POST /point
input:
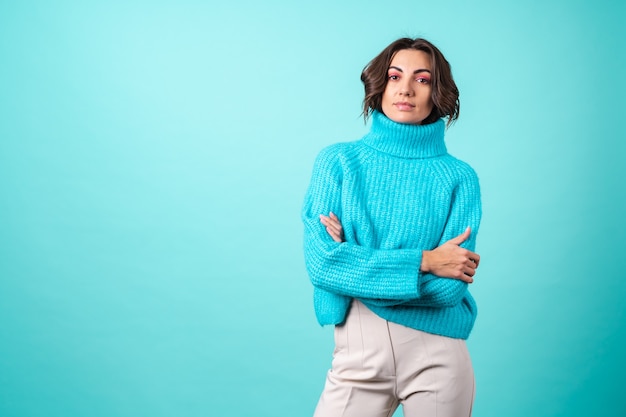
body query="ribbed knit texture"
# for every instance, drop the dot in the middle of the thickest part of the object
(397, 192)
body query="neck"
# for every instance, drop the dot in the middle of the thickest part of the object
(406, 140)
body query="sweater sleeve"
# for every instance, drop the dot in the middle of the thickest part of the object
(465, 211)
(347, 268)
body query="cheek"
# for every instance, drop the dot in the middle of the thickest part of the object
(428, 101)
(386, 97)
(387, 92)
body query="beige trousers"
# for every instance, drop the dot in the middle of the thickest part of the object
(378, 365)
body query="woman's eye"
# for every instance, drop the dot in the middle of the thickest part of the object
(422, 80)
(394, 77)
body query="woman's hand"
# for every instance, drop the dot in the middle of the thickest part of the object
(333, 227)
(451, 260)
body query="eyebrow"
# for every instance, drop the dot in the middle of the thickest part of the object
(414, 72)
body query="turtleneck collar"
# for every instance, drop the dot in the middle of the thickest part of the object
(406, 140)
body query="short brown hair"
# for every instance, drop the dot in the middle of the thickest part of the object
(445, 94)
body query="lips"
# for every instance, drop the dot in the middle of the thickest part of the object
(404, 105)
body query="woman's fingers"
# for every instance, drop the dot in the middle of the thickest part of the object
(475, 258)
(331, 222)
(469, 273)
(337, 238)
(333, 226)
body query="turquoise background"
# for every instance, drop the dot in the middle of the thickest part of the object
(153, 160)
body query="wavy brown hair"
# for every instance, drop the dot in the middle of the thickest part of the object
(445, 94)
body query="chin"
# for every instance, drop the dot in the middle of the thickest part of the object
(405, 118)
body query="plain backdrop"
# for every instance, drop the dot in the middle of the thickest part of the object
(153, 160)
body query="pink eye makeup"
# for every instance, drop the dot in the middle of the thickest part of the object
(422, 75)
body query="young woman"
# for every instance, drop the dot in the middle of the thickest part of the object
(390, 228)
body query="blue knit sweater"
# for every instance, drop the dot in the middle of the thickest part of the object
(397, 192)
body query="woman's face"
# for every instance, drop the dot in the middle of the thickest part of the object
(407, 96)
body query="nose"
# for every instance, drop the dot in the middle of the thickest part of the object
(406, 89)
